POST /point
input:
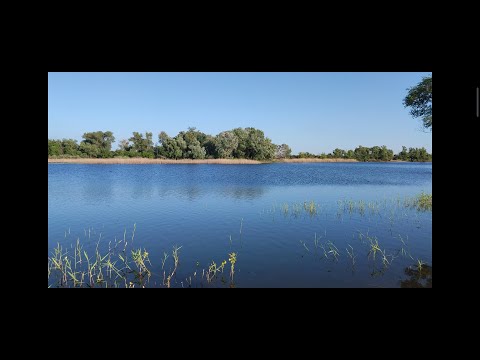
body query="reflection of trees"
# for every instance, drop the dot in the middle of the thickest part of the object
(143, 190)
(248, 193)
(192, 193)
(97, 189)
(419, 277)
(196, 192)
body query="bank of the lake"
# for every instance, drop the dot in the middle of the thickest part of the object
(145, 161)
(189, 161)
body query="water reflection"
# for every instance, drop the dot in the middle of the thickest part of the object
(241, 193)
(142, 191)
(418, 277)
(95, 191)
(193, 193)
(212, 211)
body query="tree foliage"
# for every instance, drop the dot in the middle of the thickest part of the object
(419, 99)
(243, 143)
(375, 153)
(97, 144)
(283, 151)
(225, 144)
(142, 146)
(55, 147)
(248, 143)
(413, 154)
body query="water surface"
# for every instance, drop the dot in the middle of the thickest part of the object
(211, 210)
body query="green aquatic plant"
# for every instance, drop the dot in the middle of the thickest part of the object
(232, 259)
(165, 256)
(213, 269)
(333, 250)
(310, 207)
(421, 202)
(140, 259)
(424, 202)
(304, 245)
(419, 276)
(404, 249)
(374, 247)
(351, 254)
(420, 264)
(296, 210)
(168, 279)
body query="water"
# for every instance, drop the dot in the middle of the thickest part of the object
(213, 210)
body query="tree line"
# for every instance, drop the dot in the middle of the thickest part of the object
(239, 143)
(375, 153)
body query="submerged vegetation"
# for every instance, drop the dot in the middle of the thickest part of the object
(130, 268)
(422, 202)
(118, 264)
(240, 143)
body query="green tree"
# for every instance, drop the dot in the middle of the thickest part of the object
(55, 147)
(419, 154)
(194, 140)
(258, 147)
(97, 144)
(339, 153)
(168, 146)
(242, 136)
(124, 148)
(142, 146)
(307, 155)
(181, 146)
(362, 153)
(403, 155)
(124, 145)
(172, 148)
(225, 144)
(209, 146)
(419, 99)
(374, 153)
(100, 139)
(90, 150)
(385, 154)
(70, 147)
(283, 151)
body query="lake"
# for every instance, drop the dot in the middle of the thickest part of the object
(289, 225)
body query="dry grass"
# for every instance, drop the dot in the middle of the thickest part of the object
(305, 160)
(152, 161)
(189, 161)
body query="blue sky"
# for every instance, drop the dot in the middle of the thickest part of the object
(314, 112)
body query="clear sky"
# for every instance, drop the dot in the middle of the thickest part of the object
(314, 112)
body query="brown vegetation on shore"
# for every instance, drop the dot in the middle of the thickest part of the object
(187, 161)
(152, 161)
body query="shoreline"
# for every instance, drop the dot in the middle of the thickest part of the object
(152, 161)
(190, 161)
(143, 161)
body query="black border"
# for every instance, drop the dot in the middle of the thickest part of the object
(345, 57)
